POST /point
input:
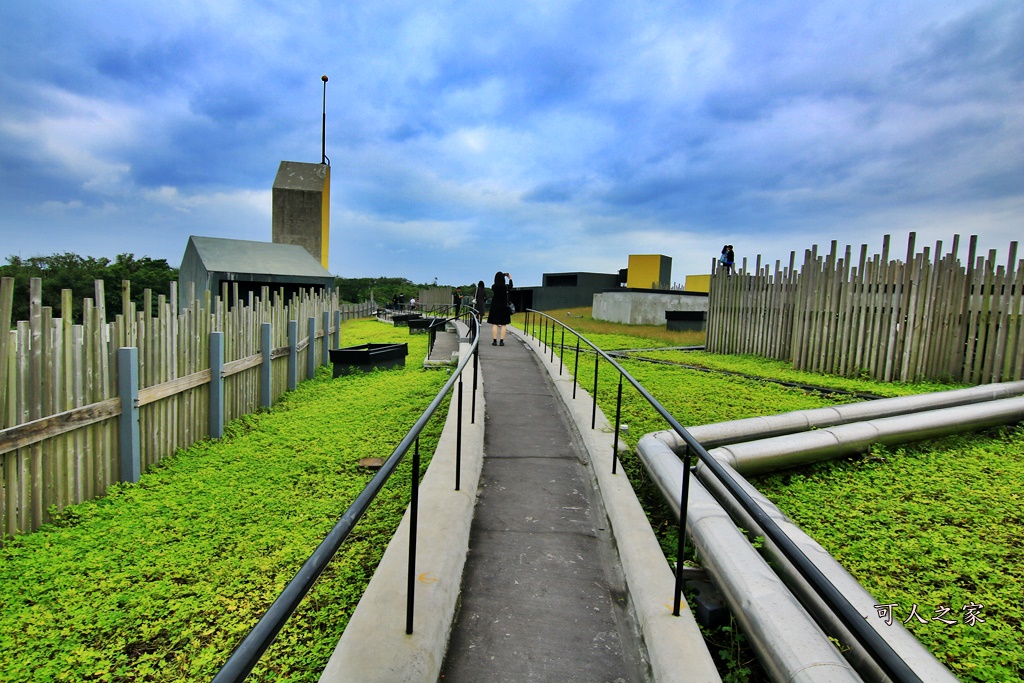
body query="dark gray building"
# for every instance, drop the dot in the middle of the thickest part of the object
(566, 290)
(210, 261)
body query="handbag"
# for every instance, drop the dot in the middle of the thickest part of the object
(511, 308)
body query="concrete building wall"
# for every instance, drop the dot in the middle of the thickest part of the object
(301, 204)
(636, 307)
(193, 278)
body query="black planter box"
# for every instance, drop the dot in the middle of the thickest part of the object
(423, 325)
(402, 319)
(368, 357)
(686, 321)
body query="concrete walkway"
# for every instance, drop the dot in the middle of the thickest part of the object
(542, 567)
(541, 598)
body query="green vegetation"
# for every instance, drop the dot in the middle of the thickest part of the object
(781, 370)
(934, 524)
(611, 336)
(161, 580)
(77, 273)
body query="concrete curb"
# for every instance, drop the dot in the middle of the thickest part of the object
(374, 646)
(675, 647)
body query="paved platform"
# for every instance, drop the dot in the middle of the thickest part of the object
(541, 600)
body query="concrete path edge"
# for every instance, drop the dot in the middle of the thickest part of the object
(374, 646)
(675, 647)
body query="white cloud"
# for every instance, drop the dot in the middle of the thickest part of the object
(549, 136)
(79, 136)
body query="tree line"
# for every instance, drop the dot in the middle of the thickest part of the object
(78, 273)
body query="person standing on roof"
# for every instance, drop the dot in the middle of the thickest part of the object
(499, 315)
(481, 300)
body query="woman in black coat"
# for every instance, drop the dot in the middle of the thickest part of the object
(499, 316)
(481, 300)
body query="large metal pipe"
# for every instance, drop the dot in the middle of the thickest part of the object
(790, 645)
(902, 641)
(735, 431)
(791, 449)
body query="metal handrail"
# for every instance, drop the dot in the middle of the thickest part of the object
(890, 662)
(263, 634)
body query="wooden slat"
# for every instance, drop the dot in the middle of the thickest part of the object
(1004, 317)
(23, 476)
(35, 431)
(6, 340)
(34, 396)
(1015, 339)
(173, 387)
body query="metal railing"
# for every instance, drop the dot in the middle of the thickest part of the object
(880, 650)
(252, 648)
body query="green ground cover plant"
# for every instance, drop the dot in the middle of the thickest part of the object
(781, 370)
(616, 335)
(159, 581)
(929, 527)
(936, 524)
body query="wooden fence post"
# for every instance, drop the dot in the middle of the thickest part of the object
(293, 354)
(128, 421)
(311, 348)
(266, 350)
(326, 357)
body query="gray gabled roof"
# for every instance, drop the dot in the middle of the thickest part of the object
(248, 256)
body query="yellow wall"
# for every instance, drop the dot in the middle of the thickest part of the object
(648, 271)
(697, 283)
(325, 220)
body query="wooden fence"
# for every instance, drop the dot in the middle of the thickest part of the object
(83, 406)
(913, 320)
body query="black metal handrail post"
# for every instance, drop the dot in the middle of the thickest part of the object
(561, 351)
(476, 369)
(414, 506)
(684, 498)
(458, 439)
(576, 367)
(593, 412)
(618, 423)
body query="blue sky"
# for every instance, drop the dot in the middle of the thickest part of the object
(530, 137)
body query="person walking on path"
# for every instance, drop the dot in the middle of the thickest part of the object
(481, 300)
(457, 301)
(499, 315)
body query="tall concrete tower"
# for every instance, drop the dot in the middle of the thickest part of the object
(302, 207)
